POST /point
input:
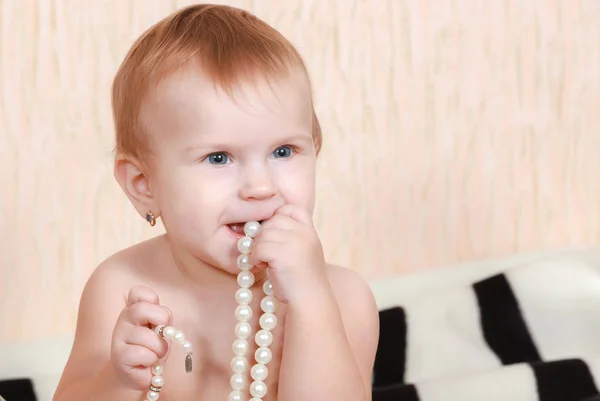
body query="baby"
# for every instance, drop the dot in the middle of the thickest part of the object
(217, 137)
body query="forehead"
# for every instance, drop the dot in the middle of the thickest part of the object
(187, 104)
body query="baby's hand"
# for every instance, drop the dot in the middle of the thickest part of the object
(288, 243)
(136, 347)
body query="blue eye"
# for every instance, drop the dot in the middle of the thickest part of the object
(218, 158)
(282, 152)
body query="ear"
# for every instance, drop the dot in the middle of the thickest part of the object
(136, 185)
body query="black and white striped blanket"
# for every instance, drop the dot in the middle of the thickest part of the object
(530, 333)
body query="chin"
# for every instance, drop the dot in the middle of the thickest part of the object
(229, 263)
(230, 252)
(232, 271)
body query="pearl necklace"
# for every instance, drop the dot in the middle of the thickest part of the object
(157, 381)
(243, 329)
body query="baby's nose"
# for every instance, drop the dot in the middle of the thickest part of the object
(257, 185)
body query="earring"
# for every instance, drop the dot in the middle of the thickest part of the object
(150, 218)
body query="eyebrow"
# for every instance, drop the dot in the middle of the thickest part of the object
(298, 136)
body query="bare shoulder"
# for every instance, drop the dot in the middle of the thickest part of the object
(351, 290)
(110, 282)
(103, 298)
(359, 312)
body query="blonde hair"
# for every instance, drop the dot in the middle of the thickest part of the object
(230, 44)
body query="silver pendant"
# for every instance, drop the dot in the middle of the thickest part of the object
(188, 363)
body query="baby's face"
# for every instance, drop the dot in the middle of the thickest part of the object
(220, 162)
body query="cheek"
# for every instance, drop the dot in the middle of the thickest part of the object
(296, 184)
(193, 196)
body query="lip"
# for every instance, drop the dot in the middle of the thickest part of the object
(260, 218)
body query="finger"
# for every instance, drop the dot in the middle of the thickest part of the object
(269, 245)
(144, 314)
(281, 222)
(275, 235)
(141, 376)
(170, 313)
(137, 356)
(265, 253)
(139, 293)
(295, 213)
(148, 338)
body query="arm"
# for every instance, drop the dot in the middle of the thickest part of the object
(330, 342)
(88, 374)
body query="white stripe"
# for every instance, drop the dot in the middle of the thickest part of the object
(560, 302)
(400, 289)
(445, 338)
(514, 383)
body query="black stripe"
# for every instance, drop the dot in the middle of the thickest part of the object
(400, 392)
(564, 380)
(502, 323)
(20, 389)
(390, 358)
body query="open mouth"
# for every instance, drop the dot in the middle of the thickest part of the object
(238, 228)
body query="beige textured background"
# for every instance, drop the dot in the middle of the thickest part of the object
(453, 130)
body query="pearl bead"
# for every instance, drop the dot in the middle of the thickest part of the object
(263, 338)
(157, 370)
(243, 262)
(243, 330)
(252, 228)
(236, 396)
(187, 347)
(255, 399)
(263, 355)
(237, 381)
(152, 396)
(243, 313)
(178, 337)
(259, 372)
(268, 321)
(258, 389)
(239, 364)
(168, 332)
(158, 381)
(268, 287)
(245, 279)
(243, 296)
(241, 347)
(268, 304)
(244, 245)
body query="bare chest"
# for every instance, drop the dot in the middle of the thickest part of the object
(211, 330)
